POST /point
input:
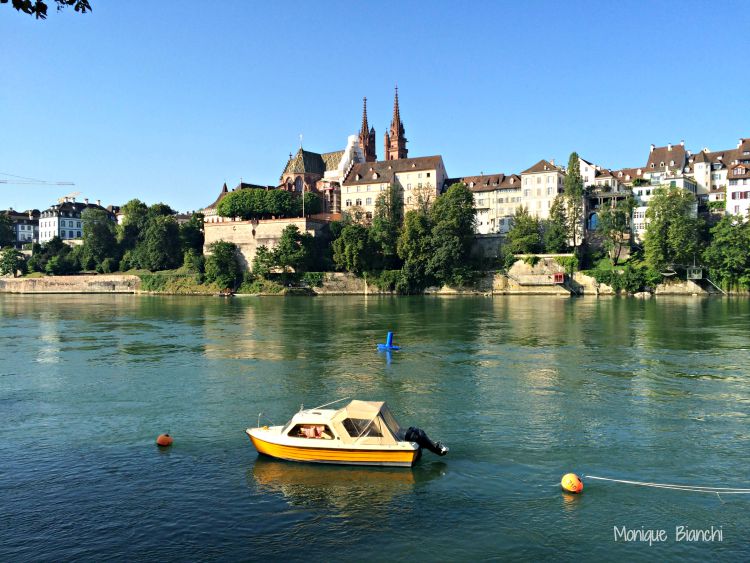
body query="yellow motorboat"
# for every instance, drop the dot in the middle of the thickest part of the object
(361, 433)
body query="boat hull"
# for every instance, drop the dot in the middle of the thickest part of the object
(340, 456)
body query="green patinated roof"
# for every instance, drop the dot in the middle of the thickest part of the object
(307, 162)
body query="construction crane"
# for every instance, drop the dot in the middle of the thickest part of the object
(23, 181)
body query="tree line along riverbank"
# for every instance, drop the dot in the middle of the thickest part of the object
(427, 247)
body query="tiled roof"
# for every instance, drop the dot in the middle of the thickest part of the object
(308, 162)
(383, 171)
(331, 159)
(669, 158)
(628, 174)
(542, 166)
(222, 194)
(488, 182)
(739, 171)
(16, 215)
(700, 157)
(241, 186)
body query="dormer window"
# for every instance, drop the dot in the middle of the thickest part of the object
(653, 165)
(375, 176)
(357, 177)
(661, 163)
(671, 162)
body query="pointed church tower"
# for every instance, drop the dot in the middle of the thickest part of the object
(367, 137)
(395, 142)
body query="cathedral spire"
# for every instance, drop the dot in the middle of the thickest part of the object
(365, 127)
(367, 136)
(395, 142)
(396, 114)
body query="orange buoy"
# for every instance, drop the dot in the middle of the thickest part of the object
(164, 440)
(571, 483)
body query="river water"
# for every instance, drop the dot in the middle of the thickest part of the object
(522, 389)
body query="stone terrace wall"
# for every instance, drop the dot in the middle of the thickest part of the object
(249, 235)
(71, 284)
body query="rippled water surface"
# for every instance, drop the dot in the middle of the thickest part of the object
(523, 389)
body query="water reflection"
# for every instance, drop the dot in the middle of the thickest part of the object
(345, 488)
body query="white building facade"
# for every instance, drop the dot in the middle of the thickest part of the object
(418, 180)
(540, 185)
(64, 220)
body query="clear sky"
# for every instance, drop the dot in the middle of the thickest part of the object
(165, 101)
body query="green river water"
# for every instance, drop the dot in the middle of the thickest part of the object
(522, 389)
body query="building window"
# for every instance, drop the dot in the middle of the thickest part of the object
(539, 180)
(419, 185)
(78, 225)
(419, 175)
(358, 202)
(408, 186)
(368, 201)
(408, 200)
(348, 202)
(428, 174)
(78, 234)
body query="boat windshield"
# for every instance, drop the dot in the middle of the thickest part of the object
(363, 427)
(390, 422)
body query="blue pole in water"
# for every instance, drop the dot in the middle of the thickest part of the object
(389, 339)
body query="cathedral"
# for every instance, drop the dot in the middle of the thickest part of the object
(395, 139)
(324, 173)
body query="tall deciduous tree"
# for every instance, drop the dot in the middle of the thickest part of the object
(525, 235)
(191, 234)
(352, 250)
(727, 255)
(556, 228)
(614, 224)
(11, 261)
(99, 240)
(223, 265)
(574, 199)
(135, 215)
(415, 249)
(386, 225)
(38, 8)
(159, 248)
(7, 232)
(672, 230)
(453, 220)
(294, 250)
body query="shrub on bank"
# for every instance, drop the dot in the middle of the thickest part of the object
(176, 282)
(260, 285)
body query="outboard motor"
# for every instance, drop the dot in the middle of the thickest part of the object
(418, 436)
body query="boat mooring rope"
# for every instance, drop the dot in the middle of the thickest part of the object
(677, 487)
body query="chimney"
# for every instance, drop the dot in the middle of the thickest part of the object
(552, 161)
(740, 143)
(99, 202)
(652, 147)
(73, 199)
(669, 147)
(86, 200)
(705, 149)
(682, 143)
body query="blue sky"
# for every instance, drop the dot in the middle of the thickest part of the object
(165, 101)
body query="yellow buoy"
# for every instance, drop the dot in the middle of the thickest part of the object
(571, 483)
